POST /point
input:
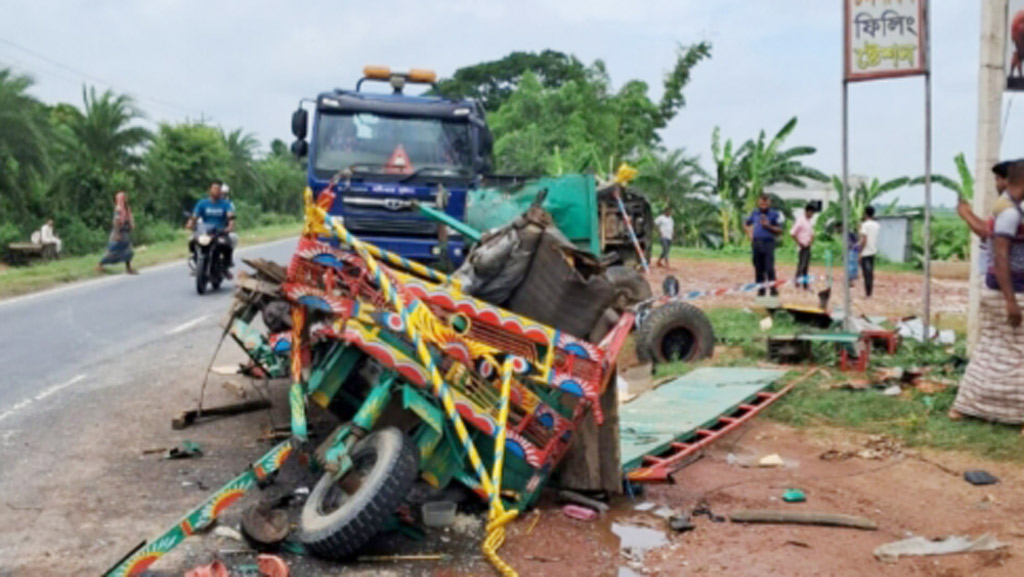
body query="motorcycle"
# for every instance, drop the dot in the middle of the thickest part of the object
(210, 248)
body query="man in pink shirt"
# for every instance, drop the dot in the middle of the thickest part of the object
(802, 232)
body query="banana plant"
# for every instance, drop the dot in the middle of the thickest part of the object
(964, 188)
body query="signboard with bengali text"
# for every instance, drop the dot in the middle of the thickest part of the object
(884, 38)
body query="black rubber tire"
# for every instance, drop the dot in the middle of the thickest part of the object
(340, 532)
(200, 274)
(675, 331)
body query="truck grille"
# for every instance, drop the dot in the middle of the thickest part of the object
(378, 226)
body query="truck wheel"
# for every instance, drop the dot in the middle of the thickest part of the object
(341, 516)
(676, 331)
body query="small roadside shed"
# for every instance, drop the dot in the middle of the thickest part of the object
(894, 236)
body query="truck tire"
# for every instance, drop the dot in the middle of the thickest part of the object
(335, 524)
(676, 331)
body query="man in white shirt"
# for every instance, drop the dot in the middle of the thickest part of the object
(868, 246)
(666, 229)
(45, 235)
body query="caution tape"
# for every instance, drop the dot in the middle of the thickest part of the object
(736, 289)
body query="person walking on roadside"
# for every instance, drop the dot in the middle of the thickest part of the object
(802, 232)
(868, 248)
(119, 247)
(762, 226)
(666, 229)
(992, 387)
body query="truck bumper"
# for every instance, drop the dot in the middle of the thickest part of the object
(422, 250)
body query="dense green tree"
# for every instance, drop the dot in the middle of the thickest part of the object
(24, 157)
(492, 83)
(105, 131)
(764, 163)
(584, 125)
(672, 180)
(725, 181)
(182, 161)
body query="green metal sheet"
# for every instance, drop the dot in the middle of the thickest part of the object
(674, 411)
(571, 200)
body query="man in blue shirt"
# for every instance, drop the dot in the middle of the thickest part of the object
(762, 226)
(218, 214)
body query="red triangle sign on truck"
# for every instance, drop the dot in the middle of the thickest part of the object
(399, 162)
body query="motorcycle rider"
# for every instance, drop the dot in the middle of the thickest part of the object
(218, 213)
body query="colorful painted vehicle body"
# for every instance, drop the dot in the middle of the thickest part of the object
(496, 396)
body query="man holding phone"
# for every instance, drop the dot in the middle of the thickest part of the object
(763, 226)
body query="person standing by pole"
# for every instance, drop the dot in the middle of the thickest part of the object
(762, 226)
(868, 246)
(802, 232)
(666, 230)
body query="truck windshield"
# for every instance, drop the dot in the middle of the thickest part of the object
(371, 141)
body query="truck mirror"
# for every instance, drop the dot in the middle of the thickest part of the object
(486, 141)
(300, 120)
(300, 148)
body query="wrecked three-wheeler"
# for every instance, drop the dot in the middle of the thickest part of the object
(428, 382)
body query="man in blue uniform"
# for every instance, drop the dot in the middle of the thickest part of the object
(762, 226)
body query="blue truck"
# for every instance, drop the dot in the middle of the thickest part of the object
(398, 149)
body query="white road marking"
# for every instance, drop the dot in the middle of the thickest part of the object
(186, 326)
(55, 388)
(42, 395)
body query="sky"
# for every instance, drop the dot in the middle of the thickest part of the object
(248, 63)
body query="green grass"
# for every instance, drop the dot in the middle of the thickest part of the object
(915, 418)
(21, 280)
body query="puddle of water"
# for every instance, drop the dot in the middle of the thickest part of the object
(638, 538)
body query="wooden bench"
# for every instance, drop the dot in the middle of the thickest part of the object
(24, 252)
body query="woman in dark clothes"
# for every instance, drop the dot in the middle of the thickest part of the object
(119, 247)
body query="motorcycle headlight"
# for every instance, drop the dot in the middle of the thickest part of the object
(204, 239)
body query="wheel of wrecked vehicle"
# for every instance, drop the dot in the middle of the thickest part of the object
(675, 331)
(340, 516)
(200, 273)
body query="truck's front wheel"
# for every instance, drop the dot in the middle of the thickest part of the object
(342, 515)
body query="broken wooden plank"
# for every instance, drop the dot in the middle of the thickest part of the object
(802, 518)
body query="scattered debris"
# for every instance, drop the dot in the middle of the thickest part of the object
(892, 391)
(272, 565)
(664, 512)
(186, 450)
(876, 448)
(803, 518)
(645, 506)
(236, 389)
(803, 544)
(980, 478)
(773, 460)
(580, 513)
(920, 546)
(226, 370)
(215, 569)
(439, 513)
(703, 508)
(794, 496)
(766, 324)
(567, 496)
(154, 451)
(187, 418)
(681, 523)
(227, 532)
(265, 527)
(543, 559)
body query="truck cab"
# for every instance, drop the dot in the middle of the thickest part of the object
(394, 150)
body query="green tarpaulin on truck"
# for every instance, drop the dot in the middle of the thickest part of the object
(571, 200)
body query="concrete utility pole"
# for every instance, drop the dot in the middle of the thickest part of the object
(991, 83)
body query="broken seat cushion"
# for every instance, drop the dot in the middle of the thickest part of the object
(564, 288)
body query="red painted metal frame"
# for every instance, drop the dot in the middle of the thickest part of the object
(659, 469)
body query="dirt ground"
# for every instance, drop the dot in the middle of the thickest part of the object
(105, 495)
(895, 293)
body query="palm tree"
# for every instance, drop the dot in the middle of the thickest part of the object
(23, 137)
(725, 183)
(106, 131)
(673, 179)
(242, 148)
(764, 163)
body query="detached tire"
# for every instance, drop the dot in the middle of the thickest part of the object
(334, 523)
(676, 331)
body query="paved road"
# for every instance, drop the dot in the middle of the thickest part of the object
(51, 339)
